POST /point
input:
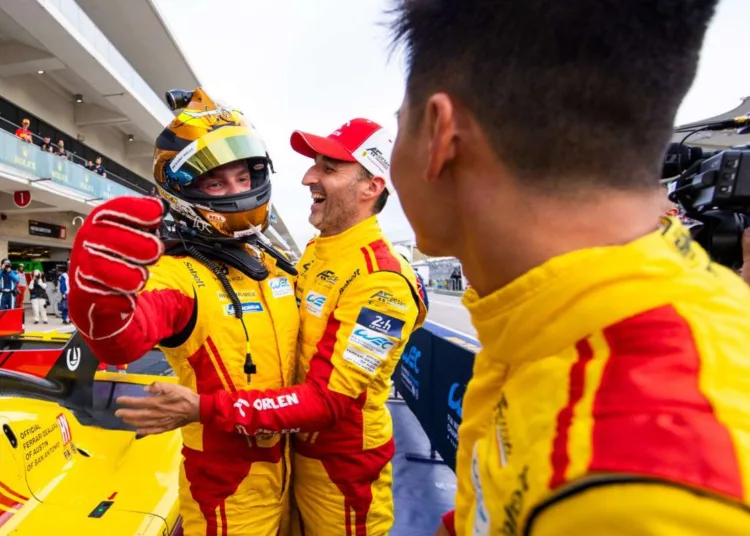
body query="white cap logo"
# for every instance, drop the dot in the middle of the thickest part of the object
(375, 154)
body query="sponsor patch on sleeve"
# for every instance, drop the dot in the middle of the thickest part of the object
(361, 360)
(372, 341)
(314, 303)
(382, 323)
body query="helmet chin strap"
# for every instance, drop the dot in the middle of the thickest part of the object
(230, 252)
(265, 244)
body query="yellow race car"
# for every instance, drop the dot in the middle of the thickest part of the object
(67, 465)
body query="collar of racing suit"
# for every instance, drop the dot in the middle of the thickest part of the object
(570, 296)
(355, 237)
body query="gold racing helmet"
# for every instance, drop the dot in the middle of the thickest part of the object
(204, 136)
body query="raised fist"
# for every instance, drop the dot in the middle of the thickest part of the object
(107, 264)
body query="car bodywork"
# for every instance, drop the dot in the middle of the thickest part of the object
(67, 464)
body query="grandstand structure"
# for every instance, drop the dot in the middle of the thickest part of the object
(90, 74)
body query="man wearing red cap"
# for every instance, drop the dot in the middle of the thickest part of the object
(359, 304)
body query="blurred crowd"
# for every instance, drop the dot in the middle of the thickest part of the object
(46, 144)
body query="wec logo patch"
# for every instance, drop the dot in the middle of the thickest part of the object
(280, 287)
(372, 341)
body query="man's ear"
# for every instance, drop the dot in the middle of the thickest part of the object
(441, 124)
(374, 187)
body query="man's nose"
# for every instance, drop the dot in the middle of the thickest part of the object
(310, 178)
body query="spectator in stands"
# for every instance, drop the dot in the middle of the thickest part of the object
(8, 282)
(90, 165)
(61, 152)
(612, 392)
(98, 167)
(38, 293)
(47, 145)
(23, 132)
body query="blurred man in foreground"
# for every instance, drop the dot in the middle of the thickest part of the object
(612, 394)
(359, 303)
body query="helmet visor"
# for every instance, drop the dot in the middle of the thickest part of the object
(222, 146)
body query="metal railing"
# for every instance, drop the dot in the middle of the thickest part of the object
(75, 158)
(26, 163)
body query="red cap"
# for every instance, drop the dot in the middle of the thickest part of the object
(359, 140)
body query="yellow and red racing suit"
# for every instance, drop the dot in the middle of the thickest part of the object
(359, 304)
(229, 484)
(611, 396)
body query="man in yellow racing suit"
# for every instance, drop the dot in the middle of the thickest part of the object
(648, 419)
(126, 297)
(612, 393)
(359, 303)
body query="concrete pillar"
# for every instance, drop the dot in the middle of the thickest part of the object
(3, 249)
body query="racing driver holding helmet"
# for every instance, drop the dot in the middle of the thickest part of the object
(217, 303)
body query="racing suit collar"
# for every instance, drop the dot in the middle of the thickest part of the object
(565, 299)
(357, 236)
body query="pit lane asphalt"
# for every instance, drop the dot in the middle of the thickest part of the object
(449, 312)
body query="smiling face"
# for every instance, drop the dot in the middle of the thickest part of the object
(230, 179)
(341, 195)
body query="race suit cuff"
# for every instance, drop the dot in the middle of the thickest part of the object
(449, 522)
(207, 406)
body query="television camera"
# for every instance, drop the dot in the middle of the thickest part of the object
(712, 188)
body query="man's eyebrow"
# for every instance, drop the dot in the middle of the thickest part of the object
(328, 160)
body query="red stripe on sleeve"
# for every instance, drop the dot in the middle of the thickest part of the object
(576, 383)
(383, 256)
(650, 417)
(368, 260)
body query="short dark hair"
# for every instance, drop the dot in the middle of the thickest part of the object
(570, 89)
(382, 198)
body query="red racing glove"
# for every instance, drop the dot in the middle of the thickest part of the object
(107, 264)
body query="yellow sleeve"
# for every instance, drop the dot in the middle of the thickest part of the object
(375, 318)
(173, 274)
(640, 509)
